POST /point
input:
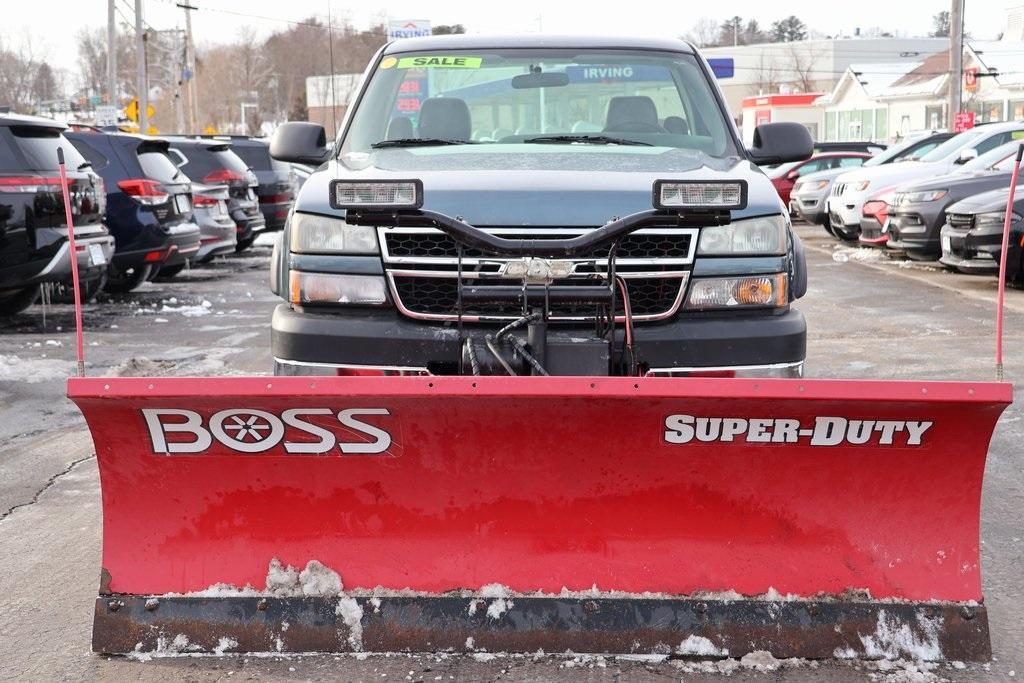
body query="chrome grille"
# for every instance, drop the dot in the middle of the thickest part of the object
(838, 189)
(423, 263)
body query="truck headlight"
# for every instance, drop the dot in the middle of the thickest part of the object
(314, 234)
(994, 219)
(738, 292)
(764, 235)
(330, 288)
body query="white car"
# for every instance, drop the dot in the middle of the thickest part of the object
(851, 190)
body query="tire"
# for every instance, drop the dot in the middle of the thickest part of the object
(169, 272)
(844, 233)
(827, 224)
(244, 244)
(62, 293)
(123, 281)
(15, 301)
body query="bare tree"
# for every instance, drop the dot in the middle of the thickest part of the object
(704, 32)
(767, 75)
(799, 66)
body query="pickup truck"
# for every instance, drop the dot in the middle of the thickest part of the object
(539, 205)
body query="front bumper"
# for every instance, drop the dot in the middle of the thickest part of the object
(872, 233)
(915, 233)
(971, 251)
(810, 207)
(773, 343)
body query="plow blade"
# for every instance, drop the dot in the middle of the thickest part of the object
(706, 517)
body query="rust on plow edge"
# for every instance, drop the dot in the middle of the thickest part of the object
(807, 629)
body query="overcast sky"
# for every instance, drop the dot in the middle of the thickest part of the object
(51, 26)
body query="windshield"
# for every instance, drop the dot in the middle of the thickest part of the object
(953, 145)
(898, 151)
(990, 159)
(518, 95)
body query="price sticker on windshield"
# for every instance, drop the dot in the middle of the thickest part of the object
(440, 62)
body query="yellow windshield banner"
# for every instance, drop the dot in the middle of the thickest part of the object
(440, 62)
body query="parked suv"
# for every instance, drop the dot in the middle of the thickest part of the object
(851, 190)
(972, 237)
(212, 162)
(812, 190)
(523, 147)
(34, 245)
(919, 209)
(276, 189)
(149, 209)
(785, 176)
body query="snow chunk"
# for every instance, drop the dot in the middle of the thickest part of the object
(498, 607)
(316, 580)
(494, 590)
(761, 660)
(893, 638)
(701, 647)
(224, 644)
(352, 614)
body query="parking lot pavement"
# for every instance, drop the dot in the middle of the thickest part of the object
(867, 318)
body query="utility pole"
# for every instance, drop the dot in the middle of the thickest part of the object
(111, 55)
(190, 64)
(142, 82)
(956, 59)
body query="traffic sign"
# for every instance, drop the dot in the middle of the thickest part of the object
(132, 111)
(106, 115)
(964, 120)
(971, 79)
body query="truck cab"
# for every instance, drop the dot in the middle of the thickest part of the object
(472, 187)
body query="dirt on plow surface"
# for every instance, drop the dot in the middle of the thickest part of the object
(867, 318)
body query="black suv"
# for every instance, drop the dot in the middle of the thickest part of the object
(149, 206)
(34, 244)
(276, 190)
(212, 162)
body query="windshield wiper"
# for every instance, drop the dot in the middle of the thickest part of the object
(586, 139)
(420, 142)
(84, 165)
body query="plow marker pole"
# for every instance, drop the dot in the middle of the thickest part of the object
(1000, 297)
(806, 517)
(75, 285)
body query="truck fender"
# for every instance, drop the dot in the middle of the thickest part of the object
(798, 277)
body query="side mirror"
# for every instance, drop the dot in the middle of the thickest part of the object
(299, 142)
(793, 175)
(967, 155)
(777, 143)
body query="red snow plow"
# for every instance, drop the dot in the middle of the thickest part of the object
(693, 516)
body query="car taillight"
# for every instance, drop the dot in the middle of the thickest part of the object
(30, 183)
(144, 191)
(222, 175)
(203, 200)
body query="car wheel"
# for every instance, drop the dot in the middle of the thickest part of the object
(827, 224)
(169, 272)
(844, 233)
(15, 301)
(244, 244)
(62, 292)
(123, 281)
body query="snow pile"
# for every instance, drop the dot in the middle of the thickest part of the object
(224, 644)
(15, 369)
(860, 254)
(894, 639)
(699, 646)
(760, 660)
(316, 580)
(501, 602)
(189, 311)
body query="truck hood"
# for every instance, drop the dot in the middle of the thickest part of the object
(543, 185)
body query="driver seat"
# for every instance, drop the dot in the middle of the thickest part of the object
(634, 113)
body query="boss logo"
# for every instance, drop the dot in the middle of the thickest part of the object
(174, 431)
